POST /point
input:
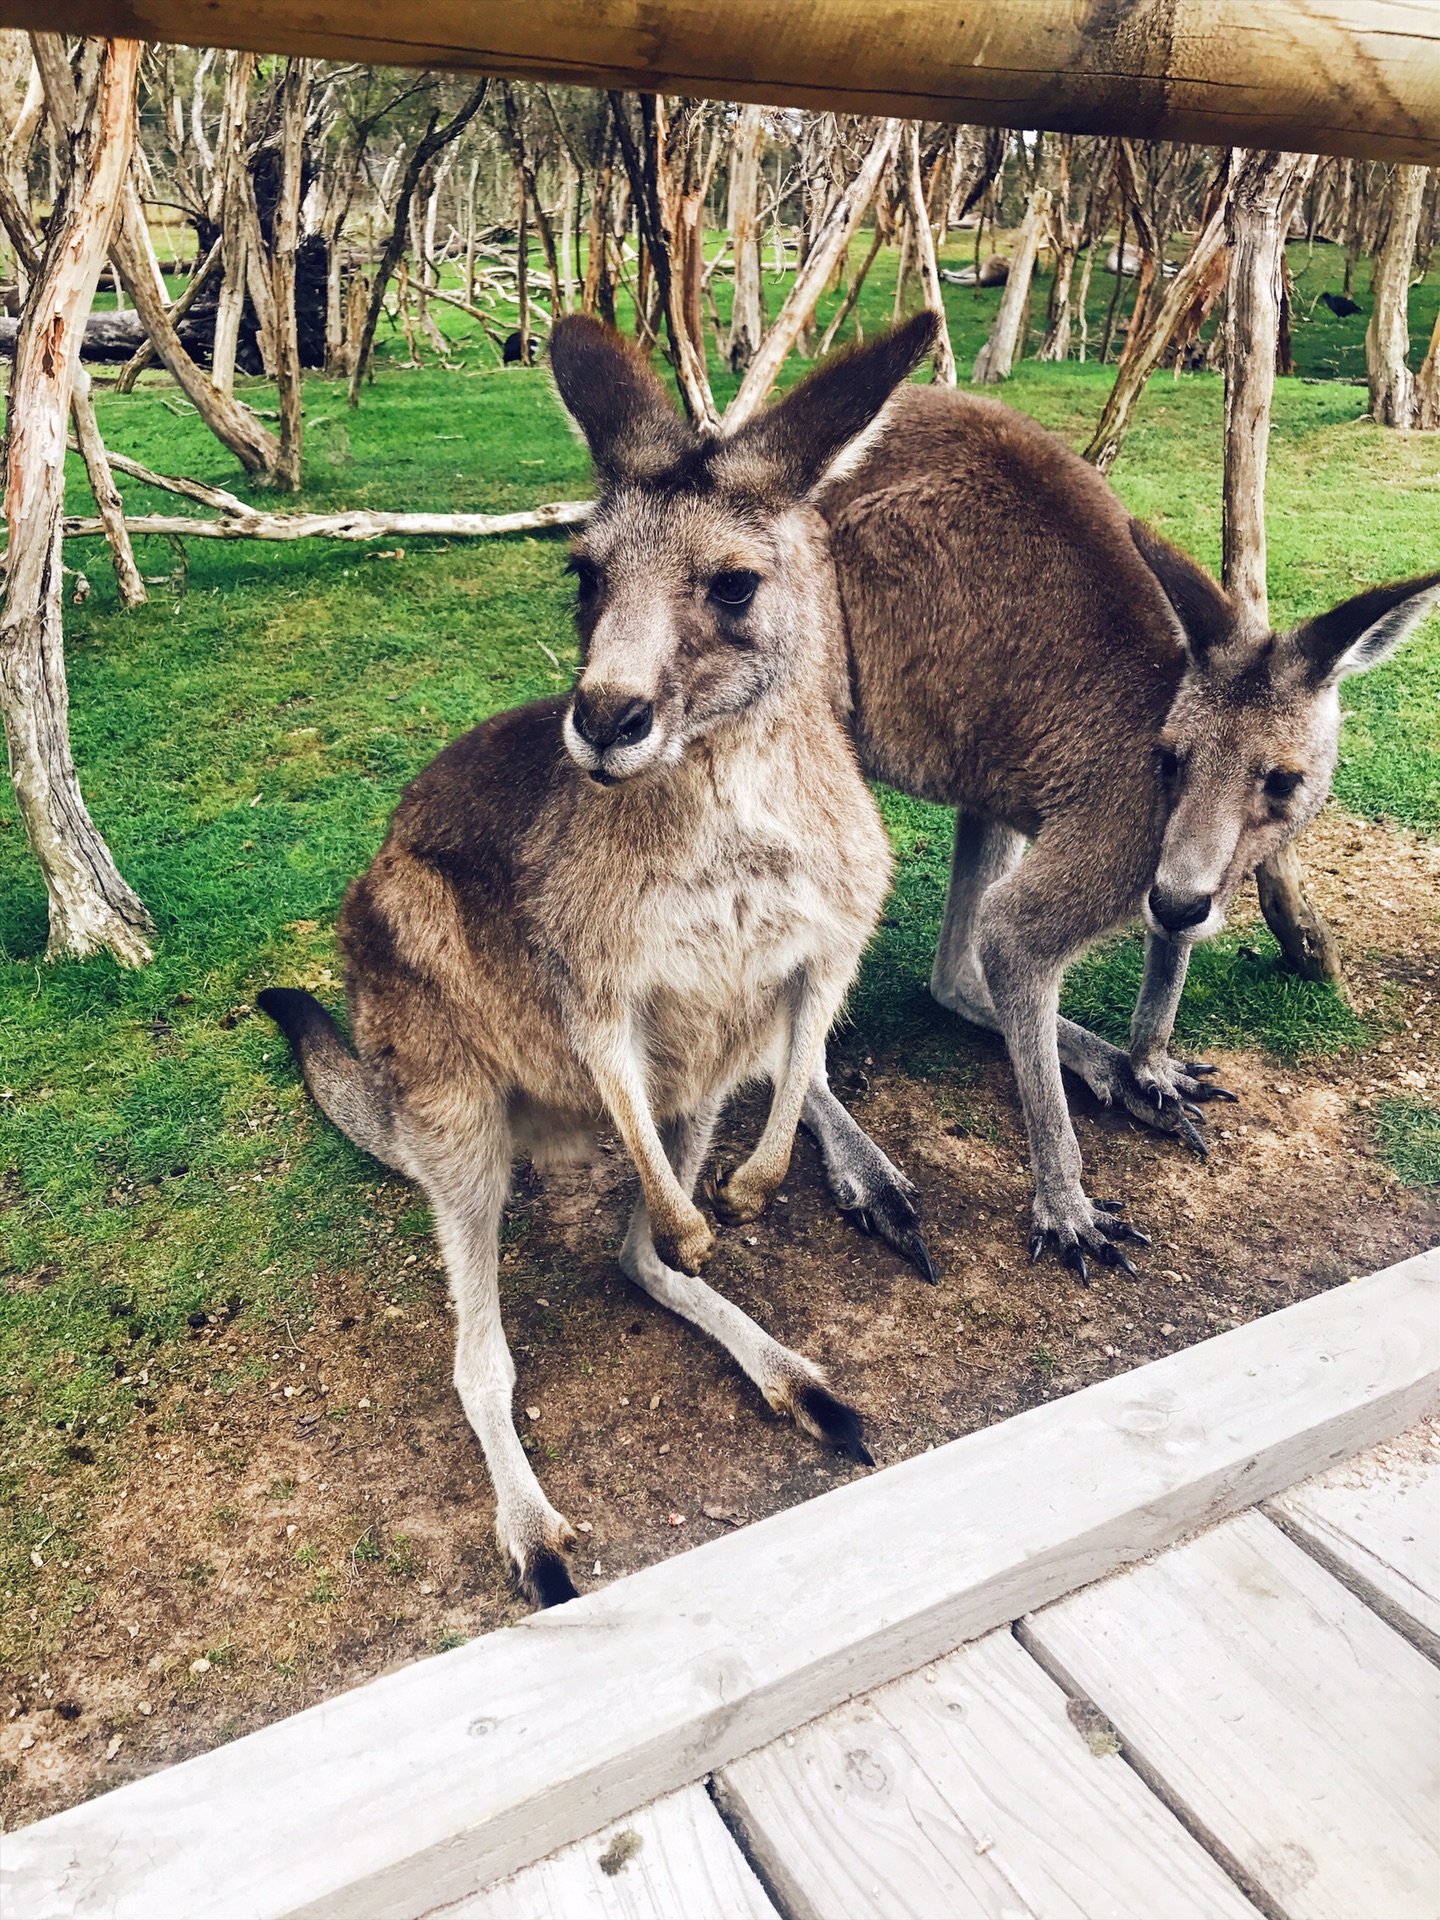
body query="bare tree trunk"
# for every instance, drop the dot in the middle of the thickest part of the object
(514, 135)
(924, 246)
(470, 187)
(747, 315)
(91, 907)
(108, 503)
(1144, 351)
(233, 425)
(294, 105)
(568, 207)
(1065, 239)
(522, 267)
(835, 234)
(145, 355)
(1387, 338)
(653, 216)
(996, 358)
(1427, 386)
(434, 140)
(1267, 187)
(847, 307)
(231, 165)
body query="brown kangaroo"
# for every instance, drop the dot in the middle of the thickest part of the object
(1022, 650)
(616, 909)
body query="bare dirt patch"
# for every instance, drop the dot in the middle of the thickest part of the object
(255, 1547)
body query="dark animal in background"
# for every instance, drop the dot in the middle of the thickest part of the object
(1023, 651)
(614, 910)
(1340, 304)
(514, 352)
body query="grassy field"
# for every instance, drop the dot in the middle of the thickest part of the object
(243, 739)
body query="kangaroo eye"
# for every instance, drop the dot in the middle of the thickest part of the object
(1281, 783)
(734, 591)
(587, 575)
(1169, 765)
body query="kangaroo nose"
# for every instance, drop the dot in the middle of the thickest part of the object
(1175, 912)
(602, 720)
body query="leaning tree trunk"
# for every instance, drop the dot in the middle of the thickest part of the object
(231, 162)
(923, 243)
(834, 235)
(1387, 338)
(1145, 350)
(747, 316)
(108, 503)
(1267, 188)
(91, 907)
(997, 357)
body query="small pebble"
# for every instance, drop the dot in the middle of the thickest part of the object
(583, 1526)
(654, 1401)
(532, 1413)
(202, 1665)
(677, 1519)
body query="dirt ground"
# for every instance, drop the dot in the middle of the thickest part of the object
(335, 1520)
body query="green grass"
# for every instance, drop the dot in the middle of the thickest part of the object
(242, 742)
(1407, 1133)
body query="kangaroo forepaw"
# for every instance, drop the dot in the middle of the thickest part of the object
(890, 1214)
(685, 1243)
(1080, 1230)
(739, 1197)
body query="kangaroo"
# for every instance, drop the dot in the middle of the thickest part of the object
(1024, 651)
(614, 909)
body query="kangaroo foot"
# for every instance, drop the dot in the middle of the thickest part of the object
(890, 1213)
(1159, 1092)
(538, 1558)
(1076, 1227)
(799, 1391)
(871, 1189)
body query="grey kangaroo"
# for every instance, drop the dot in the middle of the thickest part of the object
(1025, 652)
(613, 910)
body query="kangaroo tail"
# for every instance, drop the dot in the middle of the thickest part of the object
(341, 1085)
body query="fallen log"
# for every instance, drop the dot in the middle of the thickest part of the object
(254, 523)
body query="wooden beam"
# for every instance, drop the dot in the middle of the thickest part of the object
(418, 1789)
(1357, 77)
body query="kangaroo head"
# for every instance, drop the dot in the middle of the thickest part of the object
(704, 578)
(1248, 749)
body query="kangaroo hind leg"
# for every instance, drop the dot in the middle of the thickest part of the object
(790, 1383)
(467, 1180)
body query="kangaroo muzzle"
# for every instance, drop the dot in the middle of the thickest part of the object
(610, 734)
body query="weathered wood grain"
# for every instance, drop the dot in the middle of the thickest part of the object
(459, 1770)
(1374, 1521)
(673, 1857)
(967, 1790)
(1282, 1717)
(1354, 77)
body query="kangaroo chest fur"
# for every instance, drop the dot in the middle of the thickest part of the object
(691, 905)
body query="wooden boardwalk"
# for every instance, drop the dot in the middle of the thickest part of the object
(1248, 1722)
(1168, 1648)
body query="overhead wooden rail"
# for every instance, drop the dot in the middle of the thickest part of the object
(1356, 77)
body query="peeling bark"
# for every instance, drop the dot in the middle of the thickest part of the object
(91, 906)
(1387, 338)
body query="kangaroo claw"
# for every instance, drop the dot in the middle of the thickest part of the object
(1078, 1242)
(891, 1216)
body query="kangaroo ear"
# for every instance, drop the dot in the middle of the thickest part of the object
(1204, 612)
(822, 427)
(614, 398)
(1360, 633)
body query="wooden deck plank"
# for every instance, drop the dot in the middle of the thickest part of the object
(1375, 1522)
(670, 1858)
(966, 1790)
(1282, 1717)
(398, 1796)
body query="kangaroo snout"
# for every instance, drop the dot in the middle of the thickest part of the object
(1177, 911)
(605, 720)
(610, 734)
